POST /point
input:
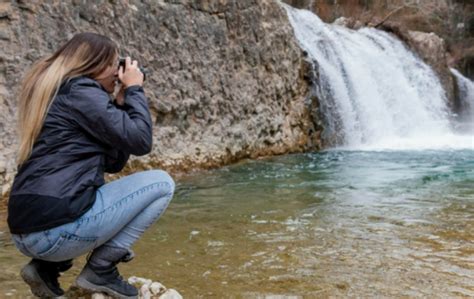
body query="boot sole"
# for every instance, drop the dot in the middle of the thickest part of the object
(93, 288)
(37, 286)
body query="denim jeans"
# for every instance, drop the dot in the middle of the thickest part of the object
(123, 210)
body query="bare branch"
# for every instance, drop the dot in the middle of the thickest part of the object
(389, 15)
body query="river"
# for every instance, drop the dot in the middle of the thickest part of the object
(332, 223)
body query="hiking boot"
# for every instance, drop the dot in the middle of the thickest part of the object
(100, 274)
(42, 277)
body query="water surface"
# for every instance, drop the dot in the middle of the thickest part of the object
(335, 223)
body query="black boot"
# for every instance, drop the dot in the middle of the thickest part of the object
(42, 277)
(100, 274)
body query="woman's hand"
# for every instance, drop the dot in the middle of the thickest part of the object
(120, 98)
(131, 76)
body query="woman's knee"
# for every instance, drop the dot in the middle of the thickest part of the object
(161, 177)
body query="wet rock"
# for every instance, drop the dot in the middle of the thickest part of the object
(171, 294)
(350, 22)
(148, 289)
(99, 296)
(157, 288)
(432, 50)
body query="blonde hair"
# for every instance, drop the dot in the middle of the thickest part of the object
(85, 54)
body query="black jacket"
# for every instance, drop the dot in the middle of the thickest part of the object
(83, 136)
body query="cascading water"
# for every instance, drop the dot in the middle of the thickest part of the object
(466, 101)
(374, 93)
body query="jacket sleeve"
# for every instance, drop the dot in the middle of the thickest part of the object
(128, 129)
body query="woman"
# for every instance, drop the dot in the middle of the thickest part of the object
(70, 134)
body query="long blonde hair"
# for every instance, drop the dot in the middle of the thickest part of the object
(85, 54)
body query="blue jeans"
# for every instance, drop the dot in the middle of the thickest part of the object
(123, 210)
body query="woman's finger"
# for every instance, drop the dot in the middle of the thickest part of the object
(120, 72)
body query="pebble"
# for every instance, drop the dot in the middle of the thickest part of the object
(99, 296)
(145, 292)
(157, 288)
(171, 294)
(139, 281)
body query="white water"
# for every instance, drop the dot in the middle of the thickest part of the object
(466, 98)
(374, 93)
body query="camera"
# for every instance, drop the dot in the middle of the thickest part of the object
(122, 64)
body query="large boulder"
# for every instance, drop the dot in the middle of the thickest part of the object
(432, 50)
(226, 77)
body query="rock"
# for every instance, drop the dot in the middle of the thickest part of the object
(147, 289)
(430, 46)
(139, 281)
(348, 22)
(171, 294)
(145, 292)
(157, 288)
(211, 65)
(3, 166)
(6, 187)
(4, 34)
(5, 10)
(432, 50)
(100, 296)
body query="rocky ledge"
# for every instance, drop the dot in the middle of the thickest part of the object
(226, 82)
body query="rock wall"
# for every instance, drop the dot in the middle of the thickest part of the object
(226, 76)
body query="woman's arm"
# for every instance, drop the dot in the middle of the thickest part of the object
(128, 129)
(115, 161)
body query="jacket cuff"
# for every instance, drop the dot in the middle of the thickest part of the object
(133, 88)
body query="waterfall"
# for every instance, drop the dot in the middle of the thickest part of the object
(373, 92)
(465, 94)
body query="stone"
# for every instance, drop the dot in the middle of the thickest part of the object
(3, 166)
(432, 50)
(4, 34)
(145, 292)
(157, 288)
(139, 281)
(100, 296)
(171, 294)
(5, 10)
(211, 64)
(147, 289)
(345, 22)
(6, 188)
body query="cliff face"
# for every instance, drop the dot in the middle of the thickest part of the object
(226, 76)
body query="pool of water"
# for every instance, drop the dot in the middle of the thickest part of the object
(334, 223)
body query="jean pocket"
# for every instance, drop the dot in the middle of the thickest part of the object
(19, 245)
(68, 246)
